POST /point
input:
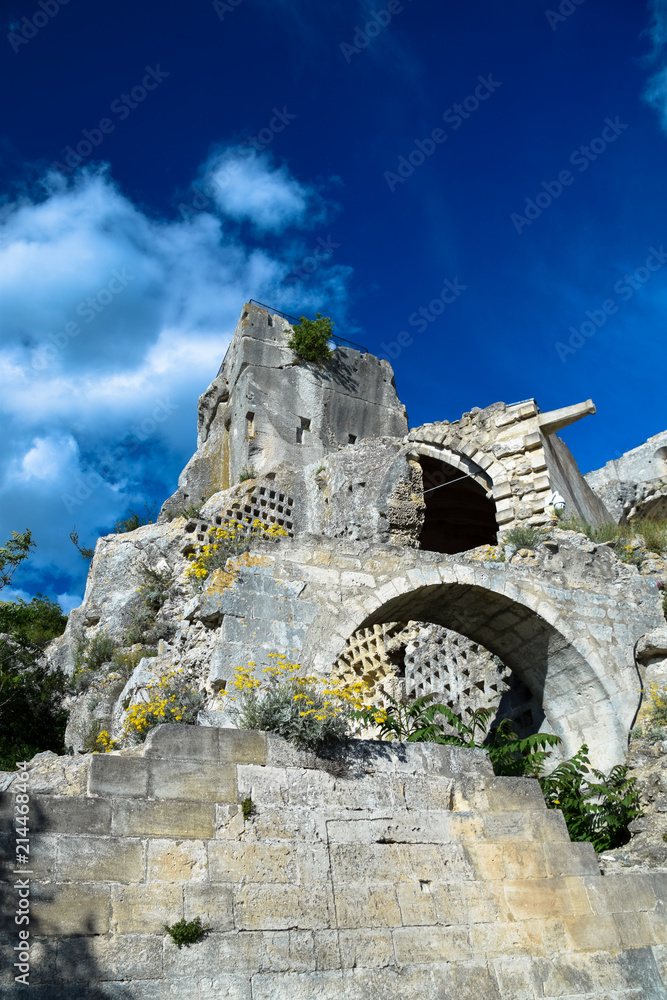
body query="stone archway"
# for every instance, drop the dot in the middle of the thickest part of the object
(585, 698)
(459, 514)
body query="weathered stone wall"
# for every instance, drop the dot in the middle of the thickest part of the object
(564, 619)
(635, 485)
(513, 452)
(389, 872)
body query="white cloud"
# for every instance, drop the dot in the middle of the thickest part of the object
(69, 601)
(655, 92)
(113, 322)
(244, 188)
(47, 458)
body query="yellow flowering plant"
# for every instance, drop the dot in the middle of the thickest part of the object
(104, 743)
(167, 701)
(307, 710)
(229, 539)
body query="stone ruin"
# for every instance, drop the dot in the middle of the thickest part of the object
(394, 568)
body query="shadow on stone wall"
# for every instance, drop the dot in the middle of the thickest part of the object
(60, 968)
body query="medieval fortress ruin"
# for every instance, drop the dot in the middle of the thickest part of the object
(406, 870)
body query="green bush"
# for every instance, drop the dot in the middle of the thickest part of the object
(310, 338)
(186, 933)
(307, 711)
(275, 710)
(654, 533)
(35, 622)
(247, 472)
(154, 591)
(13, 553)
(135, 520)
(524, 538)
(597, 809)
(31, 694)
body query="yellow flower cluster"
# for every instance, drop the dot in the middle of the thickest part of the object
(163, 705)
(333, 696)
(104, 743)
(225, 538)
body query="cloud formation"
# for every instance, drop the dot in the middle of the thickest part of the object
(113, 322)
(656, 88)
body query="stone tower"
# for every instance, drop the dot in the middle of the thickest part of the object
(266, 407)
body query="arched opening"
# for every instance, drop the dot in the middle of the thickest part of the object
(459, 516)
(405, 660)
(660, 461)
(570, 687)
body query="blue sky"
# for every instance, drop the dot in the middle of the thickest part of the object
(484, 185)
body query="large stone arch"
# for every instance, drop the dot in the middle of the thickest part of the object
(587, 688)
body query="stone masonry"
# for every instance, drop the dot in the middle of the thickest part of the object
(386, 872)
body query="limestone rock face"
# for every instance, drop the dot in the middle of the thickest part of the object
(388, 528)
(267, 406)
(635, 485)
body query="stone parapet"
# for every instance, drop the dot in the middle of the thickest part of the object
(385, 870)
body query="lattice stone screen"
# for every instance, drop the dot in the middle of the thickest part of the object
(417, 658)
(272, 507)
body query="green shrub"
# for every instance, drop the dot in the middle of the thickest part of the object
(90, 654)
(186, 933)
(654, 533)
(31, 716)
(524, 538)
(154, 591)
(31, 693)
(310, 338)
(596, 809)
(13, 553)
(84, 551)
(247, 472)
(169, 700)
(134, 520)
(307, 711)
(247, 808)
(125, 661)
(36, 622)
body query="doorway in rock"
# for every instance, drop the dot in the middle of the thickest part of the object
(459, 516)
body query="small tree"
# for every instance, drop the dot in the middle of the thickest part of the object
(310, 338)
(13, 553)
